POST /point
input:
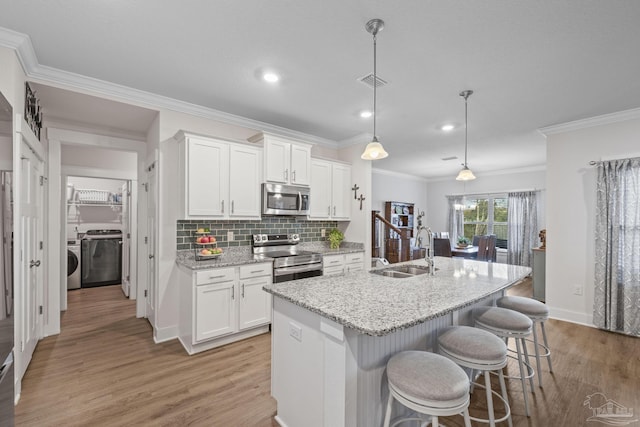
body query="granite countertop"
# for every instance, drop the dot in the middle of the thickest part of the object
(376, 305)
(240, 255)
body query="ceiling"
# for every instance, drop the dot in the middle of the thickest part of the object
(531, 64)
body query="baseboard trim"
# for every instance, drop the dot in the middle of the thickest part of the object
(165, 334)
(571, 316)
(279, 421)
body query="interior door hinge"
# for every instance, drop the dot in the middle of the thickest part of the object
(146, 240)
(146, 187)
(40, 309)
(21, 345)
(41, 244)
(145, 293)
(43, 179)
(128, 235)
(128, 278)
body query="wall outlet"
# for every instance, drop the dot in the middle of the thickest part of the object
(577, 290)
(295, 331)
(323, 233)
(229, 236)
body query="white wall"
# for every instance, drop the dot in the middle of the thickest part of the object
(571, 199)
(437, 191)
(395, 187)
(6, 153)
(99, 158)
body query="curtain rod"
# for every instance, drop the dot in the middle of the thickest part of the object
(608, 159)
(488, 193)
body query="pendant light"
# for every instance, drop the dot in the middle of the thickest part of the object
(465, 174)
(374, 150)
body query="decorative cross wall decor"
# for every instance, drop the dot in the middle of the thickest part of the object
(361, 199)
(355, 189)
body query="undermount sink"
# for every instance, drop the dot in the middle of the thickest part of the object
(402, 271)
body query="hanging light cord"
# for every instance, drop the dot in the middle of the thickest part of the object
(466, 128)
(375, 84)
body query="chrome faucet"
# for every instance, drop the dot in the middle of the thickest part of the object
(428, 257)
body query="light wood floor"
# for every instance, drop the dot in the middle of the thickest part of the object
(104, 369)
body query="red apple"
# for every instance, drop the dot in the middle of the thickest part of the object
(204, 239)
(204, 252)
(212, 239)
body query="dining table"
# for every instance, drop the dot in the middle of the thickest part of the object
(464, 252)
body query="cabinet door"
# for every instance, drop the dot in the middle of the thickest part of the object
(300, 173)
(332, 265)
(207, 177)
(276, 160)
(320, 200)
(255, 304)
(341, 191)
(245, 175)
(215, 311)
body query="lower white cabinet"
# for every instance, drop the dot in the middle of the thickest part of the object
(343, 263)
(222, 305)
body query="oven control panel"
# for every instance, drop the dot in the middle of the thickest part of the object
(275, 239)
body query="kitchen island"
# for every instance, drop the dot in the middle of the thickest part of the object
(332, 336)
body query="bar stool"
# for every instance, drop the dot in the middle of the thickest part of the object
(507, 324)
(429, 384)
(478, 350)
(538, 313)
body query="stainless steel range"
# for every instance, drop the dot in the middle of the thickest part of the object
(289, 262)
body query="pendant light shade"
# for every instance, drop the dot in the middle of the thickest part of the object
(465, 174)
(374, 150)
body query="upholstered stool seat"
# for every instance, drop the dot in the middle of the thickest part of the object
(481, 350)
(507, 324)
(429, 384)
(538, 312)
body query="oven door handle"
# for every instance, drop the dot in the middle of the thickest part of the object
(297, 269)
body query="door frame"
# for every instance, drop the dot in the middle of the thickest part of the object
(57, 212)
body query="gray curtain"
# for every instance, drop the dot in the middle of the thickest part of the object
(616, 304)
(455, 223)
(522, 227)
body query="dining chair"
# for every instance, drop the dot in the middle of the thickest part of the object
(442, 247)
(487, 248)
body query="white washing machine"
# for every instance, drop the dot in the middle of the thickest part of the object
(73, 264)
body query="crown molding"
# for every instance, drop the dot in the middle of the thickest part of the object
(604, 119)
(23, 47)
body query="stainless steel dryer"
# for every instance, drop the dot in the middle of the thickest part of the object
(73, 264)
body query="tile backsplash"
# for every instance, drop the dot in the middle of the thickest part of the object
(309, 231)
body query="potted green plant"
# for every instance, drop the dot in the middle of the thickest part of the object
(335, 238)
(463, 242)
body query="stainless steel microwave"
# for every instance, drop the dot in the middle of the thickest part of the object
(280, 199)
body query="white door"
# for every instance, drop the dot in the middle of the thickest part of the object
(151, 243)
(341, 191)
(300, 164)
(215, 310)
(245, 175)
(320, 200)
(255, 304)
(126, 237)
(276, 160)
(208, 178)
(29, 255)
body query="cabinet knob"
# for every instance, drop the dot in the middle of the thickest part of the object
(232, 206)
(293, 176)
(243, 290)
(334, 211)
(286, 174)
(222, 206)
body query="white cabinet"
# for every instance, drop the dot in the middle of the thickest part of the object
(330, 190)
(286, 161)
(221, 179)
(223, 305)
(215, 311)
(344, 263)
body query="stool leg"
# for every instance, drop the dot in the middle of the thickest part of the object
(546, 344)
(522, 377)
(467, 420)
(505, 396)
(537, 351)
(526, 356)
(487, 385)
(387, 415)
(434, 421)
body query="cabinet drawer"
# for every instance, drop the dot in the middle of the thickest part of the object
(332, 271)
(333, 260)
(256, 270)
(217, 275)
(353, 258)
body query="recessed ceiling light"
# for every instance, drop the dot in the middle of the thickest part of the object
(271, 77)
(447, 128)
(366, 114)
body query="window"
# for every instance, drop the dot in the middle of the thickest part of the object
(486, 215)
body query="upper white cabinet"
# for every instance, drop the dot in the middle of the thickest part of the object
(330, 190)
(285, 161)
(221, 178)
